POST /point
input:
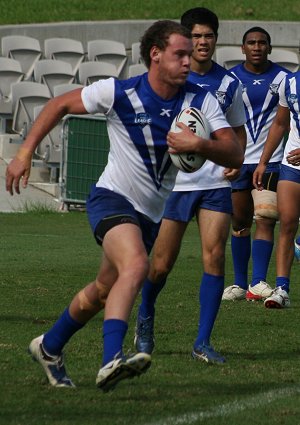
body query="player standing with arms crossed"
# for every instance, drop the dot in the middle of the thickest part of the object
(261, 79)
(126, 205)
(205, 194)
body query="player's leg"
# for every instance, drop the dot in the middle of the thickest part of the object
(123, 246)
(164, 255)
(242, 219)
(180, 208)
(289, 211)
(47, 349)
(214, 229)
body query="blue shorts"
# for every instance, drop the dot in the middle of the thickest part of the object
(182, 206)
(244, 180)
(289, 173)
(103, 204)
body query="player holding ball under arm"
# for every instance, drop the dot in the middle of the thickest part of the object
(125, 206)
(288, 190)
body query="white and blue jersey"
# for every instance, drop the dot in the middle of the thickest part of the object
(289, 97)
(261, 97)
(138, 120)
(227, 90)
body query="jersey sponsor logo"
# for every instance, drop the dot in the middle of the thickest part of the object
(257, 82)
(292, 98)
(221, 97)
(165, 112)
(274, 89)
(143, 119)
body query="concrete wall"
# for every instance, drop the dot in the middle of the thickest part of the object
(283, 34)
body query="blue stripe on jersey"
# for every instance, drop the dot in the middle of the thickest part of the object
(260, 95)
(292, 94)
(148, 118)
(219, 82)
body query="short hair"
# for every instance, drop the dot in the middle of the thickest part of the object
(158, 35)
(257, 29)
(200, 16)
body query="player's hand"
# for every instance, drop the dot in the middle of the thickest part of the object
(258, 175)
(18, 168)
(293, 157)
(182, 141)
(231, 173)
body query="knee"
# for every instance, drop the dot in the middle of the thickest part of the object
(159, 269)
(265, 204)
(241, 232)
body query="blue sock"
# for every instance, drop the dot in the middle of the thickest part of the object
(210, 295)
(298, 240)
(241, 251)
(114, 331)
(261, 255)
(284, 282)
(60, 333)
(150, 292)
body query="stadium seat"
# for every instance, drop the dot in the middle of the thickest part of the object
(65, 49)
(136, 69)
(64, 88)
(90, 72)
(24, 49)
(26, 95)
(285, 58)
(10, 73)
(53, 72)
(229, 56)
(110, 51)
(135, 53)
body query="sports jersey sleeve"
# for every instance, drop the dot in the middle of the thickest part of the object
(213, 112)
(99, 96)
(282, 97)
(235, 114)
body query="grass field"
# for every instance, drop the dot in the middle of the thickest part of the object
(46, 258)
(14, 11)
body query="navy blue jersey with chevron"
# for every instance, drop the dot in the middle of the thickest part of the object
(138, 120)
(260, 96)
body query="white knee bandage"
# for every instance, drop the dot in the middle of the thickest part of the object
(265, 204)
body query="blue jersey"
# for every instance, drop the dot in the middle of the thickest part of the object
(260, 96)
(138, 120)
(289, 97)
(227, 90)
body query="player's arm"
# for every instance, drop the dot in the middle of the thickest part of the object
(223, 148)
(278, 128)
(232, 173)
(52, 113)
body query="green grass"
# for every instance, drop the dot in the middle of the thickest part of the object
(16, 12)
(47, 258)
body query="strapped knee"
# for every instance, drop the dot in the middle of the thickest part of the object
(265, 204)
(241, 233)
(102, 293)
(84, 302)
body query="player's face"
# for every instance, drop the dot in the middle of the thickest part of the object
(256, 48)
(204, 43)
(174, 61)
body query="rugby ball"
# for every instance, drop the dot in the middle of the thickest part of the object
(196, 121)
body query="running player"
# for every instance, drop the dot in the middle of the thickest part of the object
(205, 194)
(126, 204)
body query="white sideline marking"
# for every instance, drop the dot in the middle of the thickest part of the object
(228, 409)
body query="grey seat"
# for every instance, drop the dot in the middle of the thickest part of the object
(26, 95)
(65, 49)
(136, 69)
(110, 51)
(10, 73)
(135, 53)
(64, 88)
(91, 71)
(53, 72)
(285, 58)
(229, 56)
(26, 50)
